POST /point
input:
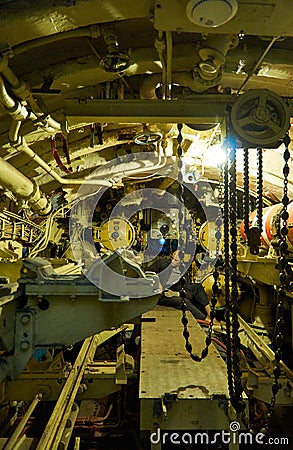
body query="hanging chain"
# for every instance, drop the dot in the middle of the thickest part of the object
(218, 235)
(284, 270)
(221, 186)
(227, 280)
(259, 188)
(237, 399)
(184, 319)
(254, 240)
(246, 193)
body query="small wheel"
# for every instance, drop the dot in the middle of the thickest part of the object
(260, 118)
(147, 137)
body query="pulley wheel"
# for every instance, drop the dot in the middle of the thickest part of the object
(260, 118)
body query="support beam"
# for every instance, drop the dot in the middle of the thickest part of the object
(200, 109)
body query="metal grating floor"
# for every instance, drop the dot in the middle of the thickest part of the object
(198, 391)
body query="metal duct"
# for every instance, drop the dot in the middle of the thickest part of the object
(23, 188)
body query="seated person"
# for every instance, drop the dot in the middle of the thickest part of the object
(196, 299)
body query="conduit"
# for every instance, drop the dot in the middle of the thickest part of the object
(22, 146)
(5, 98)
(169, 63)
(149, 85)
(23, 188)
(160, 46)
(92, 31)
(19, 113)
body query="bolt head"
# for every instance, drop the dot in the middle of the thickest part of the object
(25, 319)
(24, 345)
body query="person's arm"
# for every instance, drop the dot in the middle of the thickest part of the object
(208, 310)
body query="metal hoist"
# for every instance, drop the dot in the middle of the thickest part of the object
(228, 206)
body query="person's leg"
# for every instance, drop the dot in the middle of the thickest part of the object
(176, 302)
(199, 294)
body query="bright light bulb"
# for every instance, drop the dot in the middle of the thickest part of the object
(215, 155)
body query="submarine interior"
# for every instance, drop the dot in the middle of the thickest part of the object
(130, 130)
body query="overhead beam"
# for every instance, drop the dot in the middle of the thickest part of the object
(201, 109)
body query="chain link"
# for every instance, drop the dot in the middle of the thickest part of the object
(246, 193)
(227, 280)
(237, 399)
(215, 287)
(284, 272)
(259, 188)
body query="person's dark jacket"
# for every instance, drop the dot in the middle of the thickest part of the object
(194, 291)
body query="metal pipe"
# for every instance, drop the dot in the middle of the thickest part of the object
(5, 98)
(160, 46)
(23, 188)
(11, 444)
(22, 146)
(92, 31)
(169, 63)
(19, 113)
(8, 74)
(213, 56)
(257, 64)
(124, 170)
(20, 88)
(148, 87)
(14, 130)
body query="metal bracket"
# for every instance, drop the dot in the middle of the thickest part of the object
(5, 53)
(124, 365)
(46, 87)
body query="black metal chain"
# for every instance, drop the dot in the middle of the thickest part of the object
(227, 279)
(254, 240)
(215, 288)
(284, 270)
(246, 193)
(237, 400)
(259, 188)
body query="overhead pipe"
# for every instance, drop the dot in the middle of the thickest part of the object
(149, 85)
(212, 56)
(23, 188)
(169, 63)
(114, 61)
(19, 112)
(92, 31)
(22, 146)
(5, 98)
(20, 88)
(160, 46)
(19, 143)
(128, 169)
(206, 73)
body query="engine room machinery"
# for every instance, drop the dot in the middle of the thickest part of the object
(131, 130)
(131, 225)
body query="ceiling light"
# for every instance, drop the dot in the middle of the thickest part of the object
(215, 155)
(211, 13)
